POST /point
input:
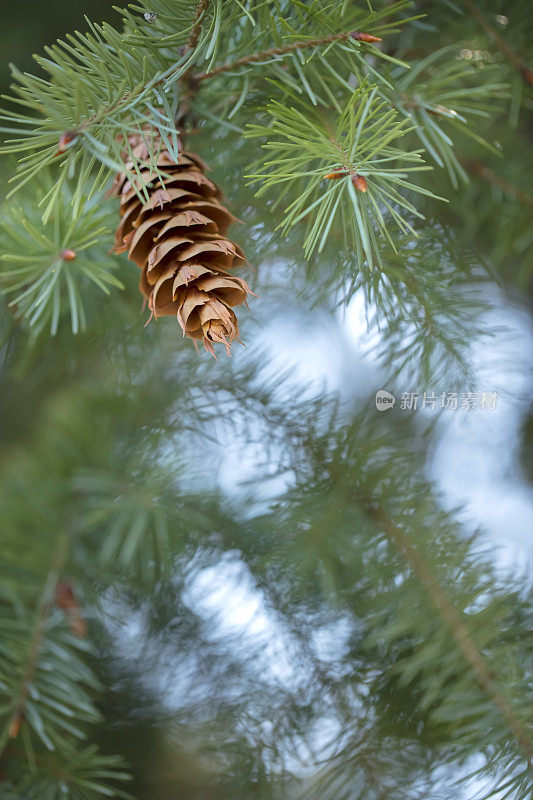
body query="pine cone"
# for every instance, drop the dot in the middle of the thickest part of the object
(177, 238)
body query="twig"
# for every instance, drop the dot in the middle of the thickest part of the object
(197, 29)
(265, 55)
(188, 79)
(526, 73)
(478, 168)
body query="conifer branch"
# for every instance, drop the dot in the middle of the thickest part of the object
(458, 629)
(525, 72)
(265, 55)
(44, 606)
(485, 172)
(434, 651)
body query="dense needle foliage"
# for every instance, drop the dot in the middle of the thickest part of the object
(371, 149)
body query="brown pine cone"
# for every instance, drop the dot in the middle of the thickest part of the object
(177, 238)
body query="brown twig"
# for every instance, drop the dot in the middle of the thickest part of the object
(526, 73)
(480, 169)
(453, 619)
(197, 29)
(265, 55)
(188, 80)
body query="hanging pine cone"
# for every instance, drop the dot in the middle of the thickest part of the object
(177, 238)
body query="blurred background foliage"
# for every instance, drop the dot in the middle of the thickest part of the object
(278, 602)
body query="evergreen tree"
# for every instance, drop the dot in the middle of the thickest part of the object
(378, 149)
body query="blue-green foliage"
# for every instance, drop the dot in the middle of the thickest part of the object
(109, 448)
(43, 288)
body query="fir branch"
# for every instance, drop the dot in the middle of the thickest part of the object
(508, 52)
(429, 296)
(452, 618)
(481, 170)
(46, 266)
(366, 171)
(442, 94)
(36, 643)
(103, 83)
(85, 773)
(273, 52)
